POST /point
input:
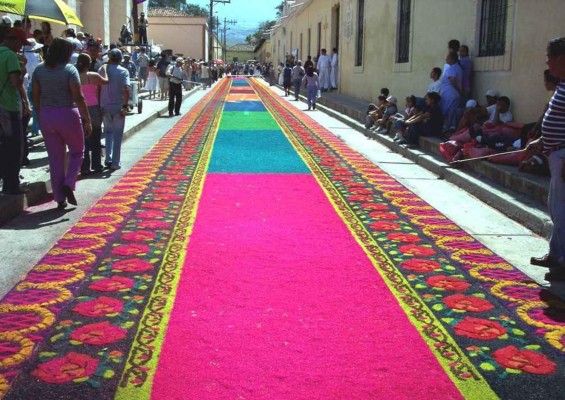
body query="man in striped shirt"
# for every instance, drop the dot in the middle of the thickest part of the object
(552, 143)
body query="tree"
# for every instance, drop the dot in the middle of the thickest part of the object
(263, 27)
(167, 3)
(191, 9)
(279, 9)
(196, 10)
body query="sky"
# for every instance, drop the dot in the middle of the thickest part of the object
(248, 13)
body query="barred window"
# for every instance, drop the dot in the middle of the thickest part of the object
(492, 39)
(403, 42)
(360, 33)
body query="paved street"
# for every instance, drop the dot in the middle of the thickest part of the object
(253, 249)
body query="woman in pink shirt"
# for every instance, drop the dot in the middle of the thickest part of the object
(90, 84)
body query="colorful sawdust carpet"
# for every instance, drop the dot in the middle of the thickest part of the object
(252, 254)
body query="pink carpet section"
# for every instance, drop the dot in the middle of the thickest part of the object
(278, 301)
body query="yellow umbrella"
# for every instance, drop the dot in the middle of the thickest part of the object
(55, 11)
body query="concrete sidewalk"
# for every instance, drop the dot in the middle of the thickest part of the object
(36, 176)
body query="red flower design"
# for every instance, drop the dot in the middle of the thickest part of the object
(375, 206)
(98, 334)
(112, 284)
(447, 282)
(384, 226)
(467, 303)
(403, 237)
(130, 250)
(420, 265)
(524, 360)
(151, 214)
(359, 197)
(66, 369)
(154, 224)
(415, 250)
(139, 236)
(383, 215)
(477, 328)
(99, 307)
(156, 205)
(167, 197)
(132, 265)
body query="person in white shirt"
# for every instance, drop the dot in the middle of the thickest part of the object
(175, 73)
(324, 68)
(334, 75)
(436, 83)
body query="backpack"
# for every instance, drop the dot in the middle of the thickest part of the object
(163, 65)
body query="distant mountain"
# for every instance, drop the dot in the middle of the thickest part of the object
(237, 34)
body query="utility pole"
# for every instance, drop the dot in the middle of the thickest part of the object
(226, 23)
(211, 27)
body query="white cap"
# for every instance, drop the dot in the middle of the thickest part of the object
(6, 20)
(33, 45)
(391, 99)
(471, 104)
(491, 93)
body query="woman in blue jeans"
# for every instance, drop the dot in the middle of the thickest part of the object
(312, 84)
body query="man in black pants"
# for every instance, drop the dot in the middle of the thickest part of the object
(175, 74)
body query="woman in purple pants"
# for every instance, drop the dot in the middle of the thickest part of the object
(63, 118)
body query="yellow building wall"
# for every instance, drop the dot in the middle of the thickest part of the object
(517, 74)
(184, 35)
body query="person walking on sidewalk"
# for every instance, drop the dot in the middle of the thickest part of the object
(12, 95)
(114, 98)
(176, 76)
(90, 85)
(298, 73)
(63, 117)
(552, 143)
(312, 86)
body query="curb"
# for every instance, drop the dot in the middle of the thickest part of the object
(38, 192)
(518, 207)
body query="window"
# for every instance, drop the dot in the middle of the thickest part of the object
(319, 39)
(360, 33)
(403, 40)
(492, 35)
(309, 49)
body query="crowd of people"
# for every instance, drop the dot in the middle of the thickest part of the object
(76, 93)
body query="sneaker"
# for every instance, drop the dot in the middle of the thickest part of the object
(384, 131)
(115, 168)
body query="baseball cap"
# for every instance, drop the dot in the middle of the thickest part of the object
(179, 59)
(391, 99)
(18, 34)
(491, 93)
(6, 20)
(471, 104)
(115, 54)
(33, 45)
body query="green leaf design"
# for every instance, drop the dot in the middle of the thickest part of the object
(109, 374)
(57, 337)
(75, 342)
(513, 371)
(533, 347)
(47, 354)
(438, 307)
(518, 332)
(486, 366)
